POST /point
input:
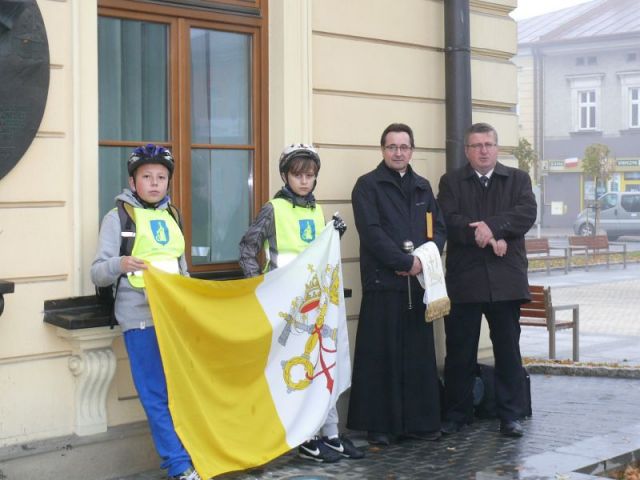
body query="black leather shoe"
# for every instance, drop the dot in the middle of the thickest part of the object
(378, 438)
(427, 436)
(449, 426)
(511, 428)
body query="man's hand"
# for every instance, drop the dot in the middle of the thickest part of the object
(482, 233)
(416, 268)
(131, 264)
(499, 247)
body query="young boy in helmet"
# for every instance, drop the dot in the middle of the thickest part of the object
(284, 227)
(158, 240)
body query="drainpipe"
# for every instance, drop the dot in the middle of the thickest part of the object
(457, 79)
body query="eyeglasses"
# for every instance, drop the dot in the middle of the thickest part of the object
(395, 148)
(480, 146)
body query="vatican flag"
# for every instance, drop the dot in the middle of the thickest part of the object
(253, 366)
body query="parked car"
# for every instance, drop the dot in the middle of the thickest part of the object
(619, 215)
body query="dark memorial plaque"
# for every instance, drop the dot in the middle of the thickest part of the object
(24, 78)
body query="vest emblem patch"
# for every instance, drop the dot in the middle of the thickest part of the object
(307, 230)
(160, 231)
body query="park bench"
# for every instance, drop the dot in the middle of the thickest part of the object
(540, 312)
(597, 245)
(539, 249)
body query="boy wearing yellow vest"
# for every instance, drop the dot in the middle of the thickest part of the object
(158, 240)
(284, 227)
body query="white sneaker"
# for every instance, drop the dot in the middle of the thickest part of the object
(189, 474)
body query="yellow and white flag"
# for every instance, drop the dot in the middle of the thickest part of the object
(253, 366)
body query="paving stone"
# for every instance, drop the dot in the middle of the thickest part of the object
(576, 420)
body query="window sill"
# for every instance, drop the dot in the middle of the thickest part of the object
(584, 133)
(630, 131)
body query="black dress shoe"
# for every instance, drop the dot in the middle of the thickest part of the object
(423, 435)
(379, 438)
(450, 426)
(512, 428)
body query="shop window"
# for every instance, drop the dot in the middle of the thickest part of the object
(193, 81)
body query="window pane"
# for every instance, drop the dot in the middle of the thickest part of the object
(220, 203)
(113, 175)
(220, 87)
(133, 80)
(592, 117)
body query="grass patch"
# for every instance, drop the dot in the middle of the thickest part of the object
(545, 361)
(581, 261)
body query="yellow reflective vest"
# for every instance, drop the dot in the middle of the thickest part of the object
(296, 228)
(159, 241)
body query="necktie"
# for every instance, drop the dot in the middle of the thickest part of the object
(484, 180)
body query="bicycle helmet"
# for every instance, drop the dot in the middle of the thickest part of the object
(296, 151)
(150, 153)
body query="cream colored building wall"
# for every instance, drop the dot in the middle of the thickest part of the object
(524, 63)
(368, 72)
(335, 79)
(48, 232)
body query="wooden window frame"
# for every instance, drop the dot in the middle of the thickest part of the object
(180, 20)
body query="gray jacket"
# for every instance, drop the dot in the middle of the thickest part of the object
(131, 307)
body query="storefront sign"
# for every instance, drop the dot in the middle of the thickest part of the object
(628, 163)
(556, 164)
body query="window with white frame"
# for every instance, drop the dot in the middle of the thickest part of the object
(587, 109)
(585, 97)
(634, 107)
(630, 99)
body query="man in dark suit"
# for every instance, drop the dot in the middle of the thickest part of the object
(488, 207)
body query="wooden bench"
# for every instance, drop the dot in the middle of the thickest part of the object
(597, 245)
(539, 249)
(540, 312)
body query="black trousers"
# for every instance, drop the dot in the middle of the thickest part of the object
(462, 328)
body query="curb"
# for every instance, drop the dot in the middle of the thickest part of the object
(584, 370)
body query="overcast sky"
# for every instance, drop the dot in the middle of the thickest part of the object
(531, 8)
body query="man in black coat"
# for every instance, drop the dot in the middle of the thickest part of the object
(488, 207)
(394, 388)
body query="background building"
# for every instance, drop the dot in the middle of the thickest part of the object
(579, 79)
(225, 84)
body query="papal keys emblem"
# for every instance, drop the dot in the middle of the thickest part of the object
(306, 316)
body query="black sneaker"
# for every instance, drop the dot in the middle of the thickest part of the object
(344, 447)
(189, 474)
(316, 450)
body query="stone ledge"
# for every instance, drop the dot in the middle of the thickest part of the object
(121, 451)
(584, 370)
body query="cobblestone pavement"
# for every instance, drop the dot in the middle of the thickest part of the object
(577, 422)
(609, 301)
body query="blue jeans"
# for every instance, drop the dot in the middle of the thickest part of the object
(151, 384)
